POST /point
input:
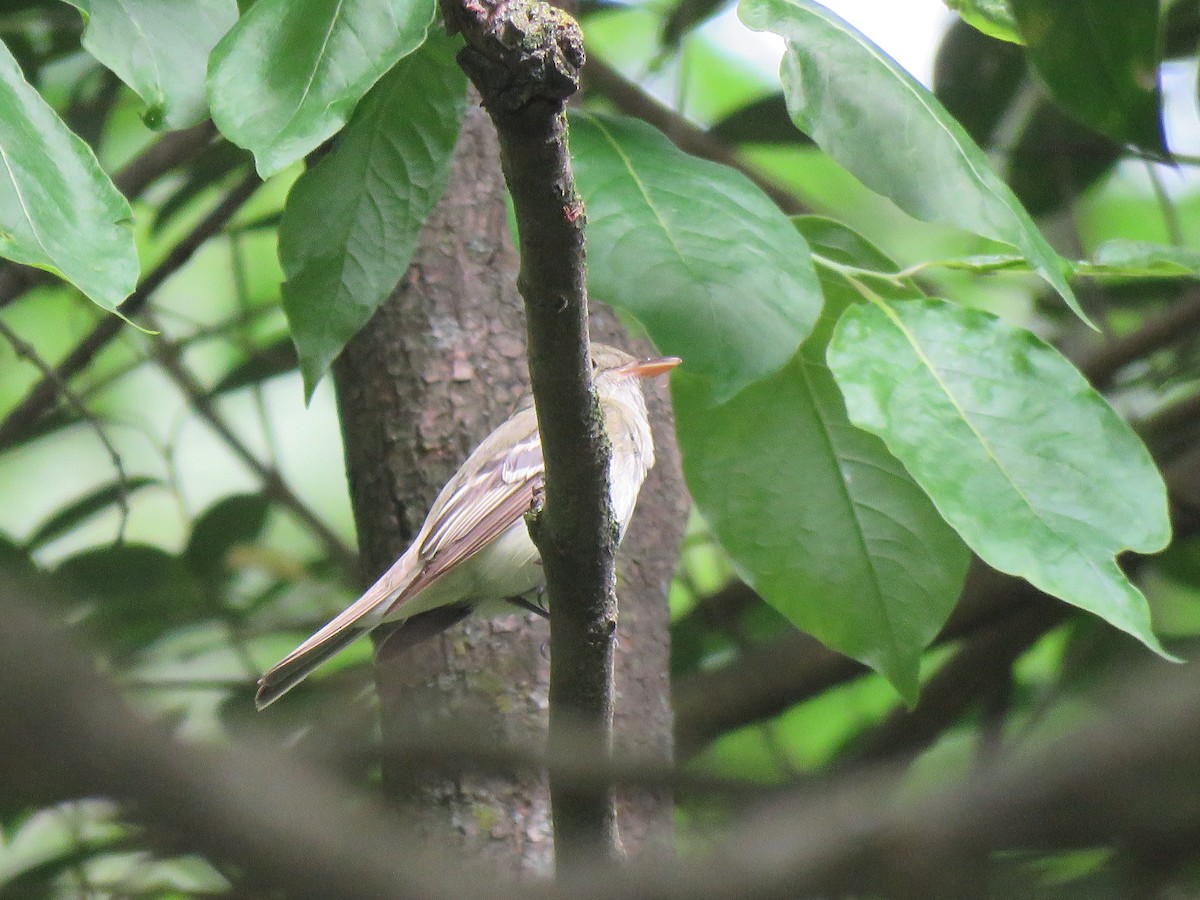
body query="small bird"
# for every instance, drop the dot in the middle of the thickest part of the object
(474, 548)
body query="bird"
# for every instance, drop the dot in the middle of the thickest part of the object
(473, 553)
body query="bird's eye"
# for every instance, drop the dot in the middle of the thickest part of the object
(595, 365)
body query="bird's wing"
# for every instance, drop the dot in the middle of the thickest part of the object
(492, 490)
(480, 507)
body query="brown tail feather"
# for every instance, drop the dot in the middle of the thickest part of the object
(289, 673)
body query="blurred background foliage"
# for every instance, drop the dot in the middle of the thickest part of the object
(190, 569)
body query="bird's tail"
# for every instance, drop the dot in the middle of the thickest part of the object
(335, 635)
(284, 676)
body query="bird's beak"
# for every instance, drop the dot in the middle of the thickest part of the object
(650, 368)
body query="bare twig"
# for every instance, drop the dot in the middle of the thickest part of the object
(274, 486)
(26, 351)
(524, 59)
(1180, 321)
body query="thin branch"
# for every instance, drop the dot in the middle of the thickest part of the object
(274, 485)
(1178, 322)
(524, 59)
(961, 683)
(26, 351)
(45, 393)
(284, 825)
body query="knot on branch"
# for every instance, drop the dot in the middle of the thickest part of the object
(518, 52)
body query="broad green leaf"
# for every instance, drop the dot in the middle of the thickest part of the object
(352, 221)
(1028, 463)
(978, 79)
(879, 123)
(703, 259)
(84, 508)
(992, 17)
(271, 361)
(160, 49)
(820, 518)
(1054, 159)
(59, 211)
(764, 121)
(234, 520)
(288, 75)
(129, 594)
(1100, 58)
(1123, 258)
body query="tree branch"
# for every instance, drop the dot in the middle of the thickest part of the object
(1172, 326)
(274, 487)
(68, 733)
(524, 59)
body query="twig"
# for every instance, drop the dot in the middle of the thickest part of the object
(27, 352)
(274, 486)
(1175, 324)
(45, 393)
(960, 683)
(524, 59)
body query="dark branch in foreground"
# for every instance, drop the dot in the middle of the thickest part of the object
(69, 734)
(1115, 782)
(524, 58)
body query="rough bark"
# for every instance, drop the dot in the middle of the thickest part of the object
(439, 366)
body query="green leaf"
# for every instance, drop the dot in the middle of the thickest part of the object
(991, 17)
(59, 211)
(765, 121)
(1055, 159)
(289, 74)
(820, 518)
(234, 520)
(879, 123)
(351, 222)
(1133, 259)
(84, 508)
(160, 50)
(1028, 463)
(978, 79)
(130, 593)
(703, 259)
(1100, 58)
(263, 364)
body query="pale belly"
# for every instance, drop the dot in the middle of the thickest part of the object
(507, 567)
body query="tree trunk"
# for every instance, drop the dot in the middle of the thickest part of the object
(439, 366)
